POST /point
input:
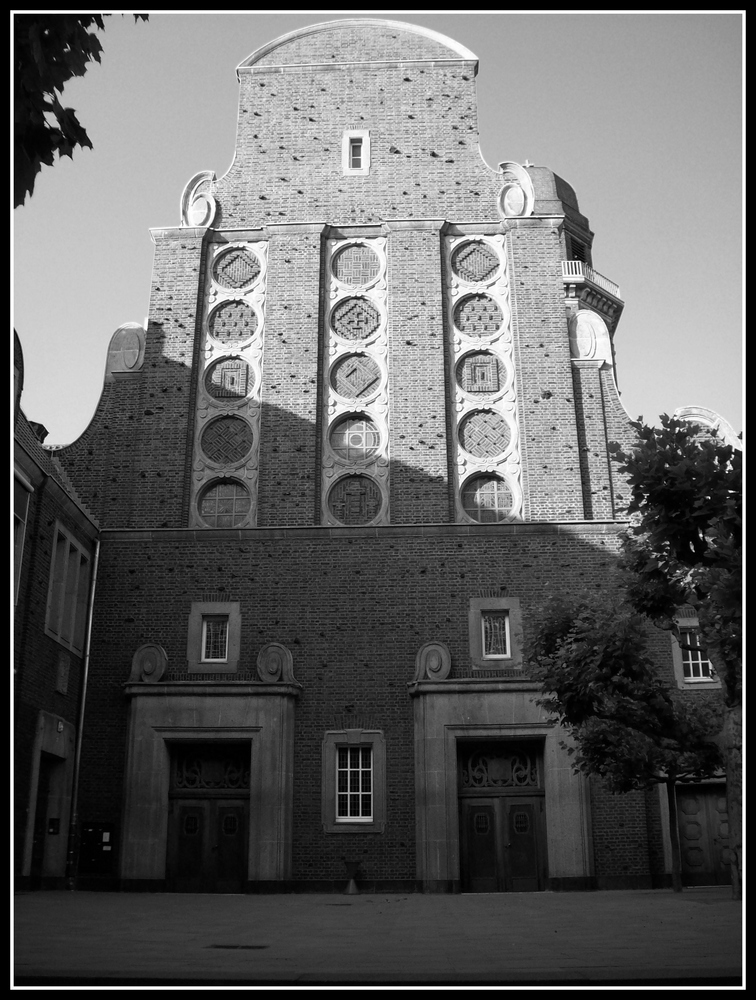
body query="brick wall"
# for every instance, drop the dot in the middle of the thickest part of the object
(545, 392)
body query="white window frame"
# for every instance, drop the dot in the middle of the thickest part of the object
(68, 591)
(349, 770)
(350, 138)
(679, 657)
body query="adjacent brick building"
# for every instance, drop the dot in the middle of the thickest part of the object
(362, 439)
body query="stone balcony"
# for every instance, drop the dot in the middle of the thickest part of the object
(583, 285)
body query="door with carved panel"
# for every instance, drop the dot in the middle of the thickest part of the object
(704, 834)
(208, 819)
(502, 818)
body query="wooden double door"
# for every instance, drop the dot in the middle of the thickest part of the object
(208, 818)
(502, 844)
(207, 845)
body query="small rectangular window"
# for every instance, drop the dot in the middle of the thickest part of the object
(354, 784)
(69, 591)
(214, 638)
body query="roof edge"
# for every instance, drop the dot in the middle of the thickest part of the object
(312, 29)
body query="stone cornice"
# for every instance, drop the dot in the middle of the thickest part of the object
(213, 535)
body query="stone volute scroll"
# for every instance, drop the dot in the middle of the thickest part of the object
(148, 664)
(275, 663)
(197, 203)
(433, 662)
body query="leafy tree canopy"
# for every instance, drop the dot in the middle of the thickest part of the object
(601, 684)
(684, 547)
(49, 49)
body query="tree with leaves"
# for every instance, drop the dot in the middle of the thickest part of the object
(49, 50)
(684, 550)
(626, 726)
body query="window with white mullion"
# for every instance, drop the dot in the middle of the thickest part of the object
(354, 784)
(495, 628)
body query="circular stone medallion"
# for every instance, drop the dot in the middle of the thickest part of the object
(355, 376)
(355, 319)
(481, 373)
(484, 434)
(356, 265)
(227, 440)
(475, 262)
(229, 379)
(478, 316)
(355, 500)
(232, 323)
(236, 268)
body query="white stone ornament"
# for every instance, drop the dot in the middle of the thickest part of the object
(197, 203)
(517, 195)
(433, 662)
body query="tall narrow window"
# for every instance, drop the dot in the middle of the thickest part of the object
(68, 593)
(355, 152)
(354, 784)
(215, 638)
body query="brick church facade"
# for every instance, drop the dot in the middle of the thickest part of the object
(362, 438)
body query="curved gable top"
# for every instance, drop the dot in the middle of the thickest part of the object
(357, 40)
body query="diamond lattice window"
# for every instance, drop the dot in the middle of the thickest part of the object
(236, 269)
(475, 262)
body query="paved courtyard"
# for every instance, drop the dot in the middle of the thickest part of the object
(642, 937)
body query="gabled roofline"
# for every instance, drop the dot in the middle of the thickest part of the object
(460, 51)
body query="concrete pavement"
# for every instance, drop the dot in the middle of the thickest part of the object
(640, 937)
